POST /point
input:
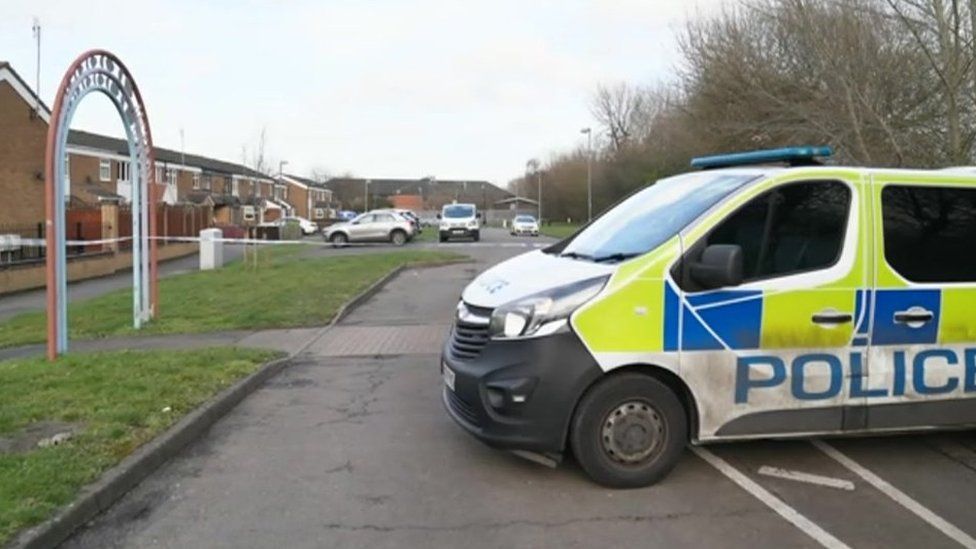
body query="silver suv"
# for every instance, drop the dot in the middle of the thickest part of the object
(375, 226)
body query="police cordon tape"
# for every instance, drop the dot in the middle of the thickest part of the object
(42, 243)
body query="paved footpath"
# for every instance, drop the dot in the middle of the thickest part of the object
(349, 447)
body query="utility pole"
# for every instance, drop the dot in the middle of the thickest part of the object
(36, 29)
(281, 183)
(532, 168)
(538, 182)
(366, 196)
(589, 173)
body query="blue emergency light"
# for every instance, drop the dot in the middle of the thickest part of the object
(794, 156)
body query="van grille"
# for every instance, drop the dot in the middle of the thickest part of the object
(470, 333)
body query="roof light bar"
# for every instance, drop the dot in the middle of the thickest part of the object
(794, 156)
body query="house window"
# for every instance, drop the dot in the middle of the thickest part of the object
(206, 182)
(104, 169)
(319, 213)
(171, 177)
(235, 187)
(257, 190)
(196, 181)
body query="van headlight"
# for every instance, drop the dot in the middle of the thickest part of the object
(543, 313)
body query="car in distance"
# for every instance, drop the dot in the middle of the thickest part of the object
(525, 225)
(375, 226)
(307, 226)
(408, 215)
(459, 221)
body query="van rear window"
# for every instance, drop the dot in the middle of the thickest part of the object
(929, 232)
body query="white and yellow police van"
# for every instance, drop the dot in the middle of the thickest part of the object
(740, 301)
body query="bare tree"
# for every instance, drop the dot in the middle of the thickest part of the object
(623, 111)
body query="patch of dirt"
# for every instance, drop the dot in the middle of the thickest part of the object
(37, 435)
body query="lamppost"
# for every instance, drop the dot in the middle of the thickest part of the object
(538, 182)
(366, 196)
(281, 180)
(589, 172)
(532, 168)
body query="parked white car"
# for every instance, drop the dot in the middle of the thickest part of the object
(375, 226)
(307, 226)
(525, 225)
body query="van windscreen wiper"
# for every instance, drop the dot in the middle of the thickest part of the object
(620, 256)
(574, 255)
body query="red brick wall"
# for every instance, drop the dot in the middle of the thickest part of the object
(21, 160)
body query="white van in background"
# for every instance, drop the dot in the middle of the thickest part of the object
(459, 221)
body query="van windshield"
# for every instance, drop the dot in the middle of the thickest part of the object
(458, 211)
(652, 216)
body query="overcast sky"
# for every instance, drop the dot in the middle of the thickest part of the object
(454, 89)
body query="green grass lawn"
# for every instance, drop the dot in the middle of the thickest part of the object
(559, 230)
(429, 235)
(118, 400)
(286, 289)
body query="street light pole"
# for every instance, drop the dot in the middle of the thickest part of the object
(538, 182)
(366, 196)
(589, 173)
(532, 168)
(281, 179)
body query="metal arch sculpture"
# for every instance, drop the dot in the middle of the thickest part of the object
(100, 71)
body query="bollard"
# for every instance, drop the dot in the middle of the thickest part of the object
(211, 249)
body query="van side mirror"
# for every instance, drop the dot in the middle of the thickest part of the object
(478, 215)
(720, 266)
(438, 216)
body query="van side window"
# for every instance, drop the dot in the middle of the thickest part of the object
(790, 229)
(929, 232)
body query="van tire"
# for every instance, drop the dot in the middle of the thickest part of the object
(398, 238)
(644, 409)
(477, 236)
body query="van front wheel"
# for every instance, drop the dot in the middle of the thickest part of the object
(629, 431)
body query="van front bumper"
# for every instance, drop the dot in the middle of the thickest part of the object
(458, 232)
(519, 394)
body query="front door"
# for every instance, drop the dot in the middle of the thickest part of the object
(776, 354)
(923, 352)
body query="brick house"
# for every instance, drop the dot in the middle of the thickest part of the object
(310, 198)
(98, 168)
(23, 119)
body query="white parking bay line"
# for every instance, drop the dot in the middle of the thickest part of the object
(900, 497)
(809, 478)
(790, 514)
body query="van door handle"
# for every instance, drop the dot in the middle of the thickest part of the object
(915, 315)
(832, 318)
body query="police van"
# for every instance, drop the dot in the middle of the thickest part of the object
(766, 295)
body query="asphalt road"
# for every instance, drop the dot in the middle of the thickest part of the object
(350, 447)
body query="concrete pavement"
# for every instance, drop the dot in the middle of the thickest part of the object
(350, 447)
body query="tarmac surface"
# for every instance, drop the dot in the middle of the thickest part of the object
(350, 447)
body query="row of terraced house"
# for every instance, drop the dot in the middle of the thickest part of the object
(200, 192)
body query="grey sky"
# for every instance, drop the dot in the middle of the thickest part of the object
(457, 89)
